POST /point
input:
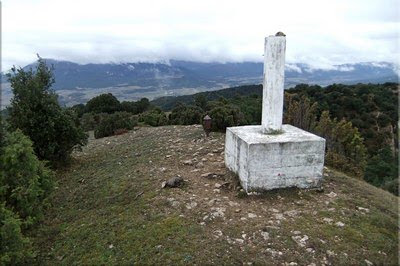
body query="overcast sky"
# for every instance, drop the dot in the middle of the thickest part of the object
(320, 33)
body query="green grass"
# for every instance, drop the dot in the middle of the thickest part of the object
(109, 209)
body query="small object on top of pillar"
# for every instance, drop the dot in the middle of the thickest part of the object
(207, 125)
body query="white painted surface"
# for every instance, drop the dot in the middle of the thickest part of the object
(294, 158)
(264, 161)
(274, 71)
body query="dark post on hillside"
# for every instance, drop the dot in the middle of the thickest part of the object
(207, 125)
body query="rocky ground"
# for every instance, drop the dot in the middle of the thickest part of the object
(114, 205)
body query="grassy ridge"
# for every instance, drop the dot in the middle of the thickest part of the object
(109, 208)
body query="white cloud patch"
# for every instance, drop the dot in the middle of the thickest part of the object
(320, 33)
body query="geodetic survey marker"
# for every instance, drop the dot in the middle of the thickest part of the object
(273, 155)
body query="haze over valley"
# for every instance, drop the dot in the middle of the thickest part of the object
(78, 83)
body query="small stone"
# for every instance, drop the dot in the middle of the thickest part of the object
(330, 253)
(191, 205)
(239, 240)
(217, 185)
(332, 195)
(252, 215)
(217, 233)
(232, 204)
(200, 165)
(296, 232)
(328, 220)
(238, 210)
(188, 162)
(175, 181)
(207, 175)
(265, 235)
(368, 262)
(340, 224)
(363, 209)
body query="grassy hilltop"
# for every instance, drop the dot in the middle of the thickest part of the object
(109, 208)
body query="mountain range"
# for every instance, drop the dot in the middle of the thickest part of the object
(77, 83)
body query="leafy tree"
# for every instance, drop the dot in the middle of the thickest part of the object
(35, 110)
(113, 122)
(382, 170)
(142, 105)
(103, 103)
(24, 180)
(186, 115)
(200, 100)
(300, 113)
(344, 144)
(79, 109)
(155, 117)
(130, 107)
(89, 121)
(225, 116)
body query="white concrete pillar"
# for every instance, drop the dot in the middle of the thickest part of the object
(274, 78)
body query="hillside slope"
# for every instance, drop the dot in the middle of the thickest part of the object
(109, 208)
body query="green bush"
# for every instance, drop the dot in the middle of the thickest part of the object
(345, 146)
(110, 123)
(34, 109)
(136, 107)
(14, 246)
(90, 121)
(225, 116)
(186, 115)
(154, 118)
(103, 103)
(24, 180)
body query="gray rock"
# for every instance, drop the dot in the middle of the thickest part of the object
(175, 181)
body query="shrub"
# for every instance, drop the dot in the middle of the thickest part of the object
(103, 103)
(35, 110)
(154, 118)
(24, 180)
(344, 144)
(186, 115)
(14, 246)
(110, 123)
(89, 121)
(225, 116)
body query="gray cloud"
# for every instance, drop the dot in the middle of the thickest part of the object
(319, 33)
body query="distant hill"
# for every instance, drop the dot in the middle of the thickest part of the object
(168, 102)
(77, 83)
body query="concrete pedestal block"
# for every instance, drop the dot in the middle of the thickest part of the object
(294, 158)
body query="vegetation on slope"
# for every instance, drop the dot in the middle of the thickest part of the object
(109, 208)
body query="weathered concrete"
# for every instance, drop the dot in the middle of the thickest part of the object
(274, 79)
(271, 155)
(294, 158)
